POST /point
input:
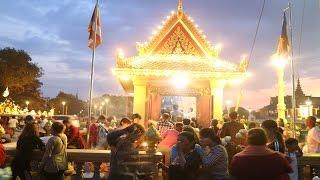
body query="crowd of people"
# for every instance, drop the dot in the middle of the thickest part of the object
(232, 150)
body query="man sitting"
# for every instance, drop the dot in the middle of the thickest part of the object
(187, 163)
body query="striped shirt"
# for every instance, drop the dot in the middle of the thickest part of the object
(162, 126)
(217, 161)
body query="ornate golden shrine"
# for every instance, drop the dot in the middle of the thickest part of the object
(178, 48)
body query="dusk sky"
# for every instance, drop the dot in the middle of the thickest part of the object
(54, 33)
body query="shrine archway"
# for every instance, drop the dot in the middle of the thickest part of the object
(178, 49)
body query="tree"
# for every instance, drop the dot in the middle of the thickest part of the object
(242, 112)
(21, 76)
(73, 105)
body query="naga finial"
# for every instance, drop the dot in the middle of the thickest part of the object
(180, 5)
(180, 8)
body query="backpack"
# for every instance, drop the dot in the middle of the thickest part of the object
(102, 134)
(57, 162)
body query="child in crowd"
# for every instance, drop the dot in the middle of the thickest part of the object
(293, 152)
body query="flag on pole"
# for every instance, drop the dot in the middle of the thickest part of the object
(94, 29)
(283, 45)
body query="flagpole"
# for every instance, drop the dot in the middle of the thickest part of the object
(92, 75)
(292, 73)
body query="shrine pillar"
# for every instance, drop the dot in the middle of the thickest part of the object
(154, 106)
(140, 97)
(204, 110)
(217, 87)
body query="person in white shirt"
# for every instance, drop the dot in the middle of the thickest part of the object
(13, 125)
(313, 137)
(42, 123)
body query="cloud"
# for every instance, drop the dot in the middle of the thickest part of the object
(22, 31)
(55, 34)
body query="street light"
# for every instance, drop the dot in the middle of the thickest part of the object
(27, 103)
(278, 61)
(63, 104)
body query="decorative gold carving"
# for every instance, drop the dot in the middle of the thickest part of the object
(181, 92)
(178, 43)
(149, 47)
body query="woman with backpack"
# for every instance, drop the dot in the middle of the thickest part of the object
(54, 161)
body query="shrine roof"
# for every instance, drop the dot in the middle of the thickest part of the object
(177, 46)
(178, 62)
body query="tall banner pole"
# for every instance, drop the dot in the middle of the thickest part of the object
(92, 75)
(292, 74)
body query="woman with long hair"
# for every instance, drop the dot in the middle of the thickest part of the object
(275, 140)
(27, 142)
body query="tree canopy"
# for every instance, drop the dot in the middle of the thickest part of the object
(73, 104)
(21, 76)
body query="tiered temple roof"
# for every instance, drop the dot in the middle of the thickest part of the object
(178, 46)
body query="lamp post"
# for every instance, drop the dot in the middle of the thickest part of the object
(27, 103)
(63, 104)
(280, 62)
(107, 102)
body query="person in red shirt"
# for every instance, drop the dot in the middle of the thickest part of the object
(257, 161)
(2, 150)
(75, 139)
(169, 138)
(94, 130)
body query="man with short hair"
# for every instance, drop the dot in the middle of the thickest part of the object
(313, 137)
(136, 118)
(231, 128)
(187, 162)
(164, 123)
(257, 161)
(186, 122)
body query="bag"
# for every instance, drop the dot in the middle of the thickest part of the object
(102, 135)
(57, 162)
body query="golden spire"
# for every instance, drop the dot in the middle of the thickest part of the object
(180, 8)
(180, 5)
